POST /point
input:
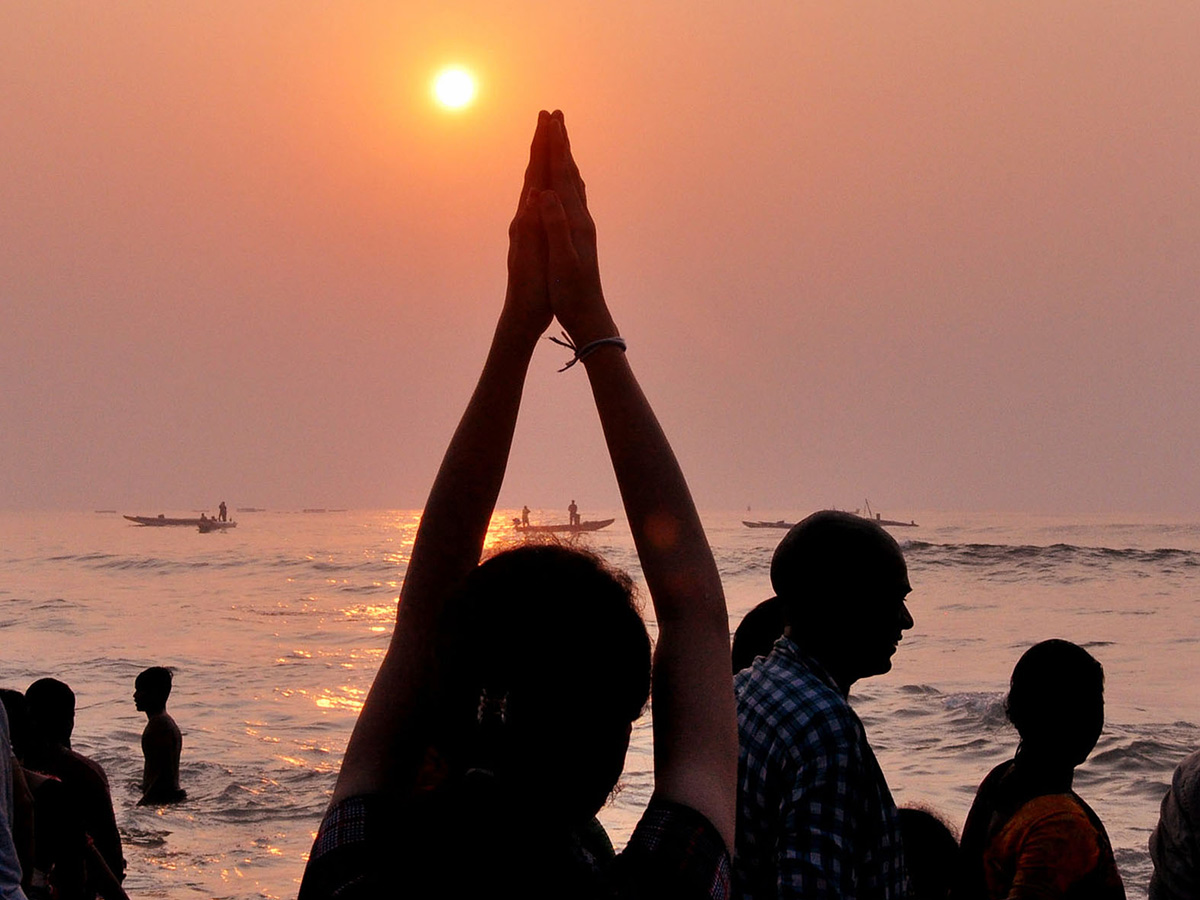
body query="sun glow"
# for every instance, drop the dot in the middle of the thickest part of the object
(454, 87)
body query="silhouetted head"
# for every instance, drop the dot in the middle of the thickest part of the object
(930, 853)
(843, 583)
(17, 710)
(545, 664)
(151, 689)
(757, 633)
(51, 711)
(1056, 701)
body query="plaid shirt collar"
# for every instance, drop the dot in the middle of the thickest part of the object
(790, 650)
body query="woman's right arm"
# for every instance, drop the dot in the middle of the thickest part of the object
(389, 740)
(695, 725)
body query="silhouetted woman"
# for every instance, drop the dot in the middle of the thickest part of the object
(1028, 833)
(498, 722)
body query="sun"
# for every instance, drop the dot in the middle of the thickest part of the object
(454, 87)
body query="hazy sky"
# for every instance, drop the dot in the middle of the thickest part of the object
(935, 253)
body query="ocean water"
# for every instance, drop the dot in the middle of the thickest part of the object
(275, 630)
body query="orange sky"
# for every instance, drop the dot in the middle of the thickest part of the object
(936, 254)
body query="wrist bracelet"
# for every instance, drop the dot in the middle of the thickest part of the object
(587, 349)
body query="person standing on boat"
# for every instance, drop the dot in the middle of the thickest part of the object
(573, 513)
(223, 512)
(524, 516)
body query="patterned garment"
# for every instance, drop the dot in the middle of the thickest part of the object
(361, 852)
(815, 816)
(1175, 843)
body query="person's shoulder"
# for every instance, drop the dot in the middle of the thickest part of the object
(674, 851)
(1064, 815)
(787, 673)
(786, 709)
(87, 769)
(160, 723)
(993, 778)
(1185, 782)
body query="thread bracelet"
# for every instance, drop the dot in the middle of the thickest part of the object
(582, 353)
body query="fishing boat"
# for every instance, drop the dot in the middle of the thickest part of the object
(867, 514)
(593, 525)
(161, 521)
(880, 520)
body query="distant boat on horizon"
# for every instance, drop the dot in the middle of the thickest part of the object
(878, 519)
(161, 521)
(869, 514)
(594, 525)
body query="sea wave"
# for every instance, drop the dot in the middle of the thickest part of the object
(1027, 557)
(325, 565)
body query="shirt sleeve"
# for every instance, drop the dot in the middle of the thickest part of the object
(674, 852)
(343, 856)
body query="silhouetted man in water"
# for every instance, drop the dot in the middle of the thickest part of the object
(815, 816)
(161, 739)
(573, 513)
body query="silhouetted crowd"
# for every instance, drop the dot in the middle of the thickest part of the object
(498, 723)
(59, 838)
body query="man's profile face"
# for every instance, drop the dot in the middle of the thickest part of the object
(877, 614)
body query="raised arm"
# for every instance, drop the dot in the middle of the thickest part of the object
(388, 740)
(695, 728)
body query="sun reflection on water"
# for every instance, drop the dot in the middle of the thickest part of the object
(344, 698)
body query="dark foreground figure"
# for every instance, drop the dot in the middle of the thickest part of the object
(930, 854)
(815, 816)
(1028, 834)
(1175, 842)
(498, 723)
(80, 833)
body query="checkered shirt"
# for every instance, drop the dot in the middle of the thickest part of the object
(815, 816)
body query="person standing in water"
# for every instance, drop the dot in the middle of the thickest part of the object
(573, 513)
(162, 741)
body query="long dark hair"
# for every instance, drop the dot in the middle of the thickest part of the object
(544, 663)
